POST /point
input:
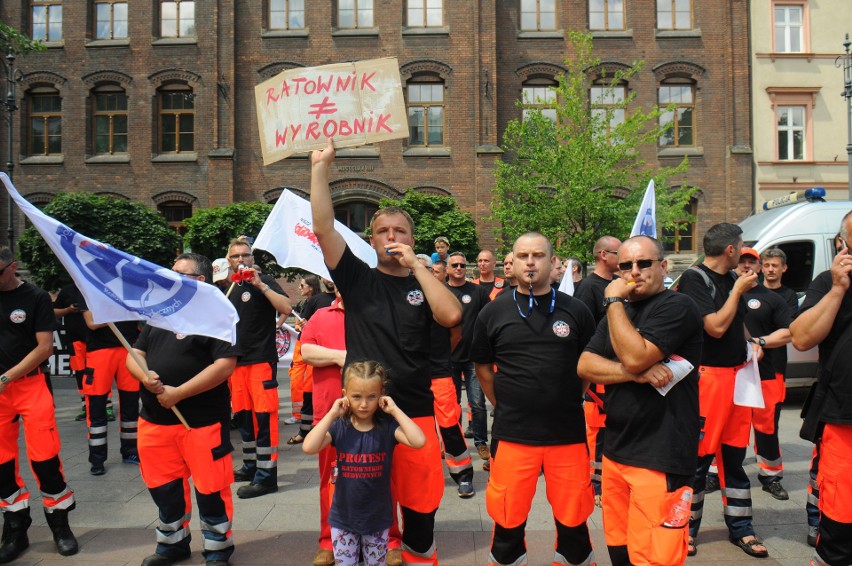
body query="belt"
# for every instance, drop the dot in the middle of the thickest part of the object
(33, 373)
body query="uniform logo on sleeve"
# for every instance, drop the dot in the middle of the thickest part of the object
(415, 297)
(18, 316)
(465, 299)
(246, 297)
(561, 329)
(753, 304)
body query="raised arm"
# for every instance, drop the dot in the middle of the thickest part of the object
(331, 242)
(717, 323)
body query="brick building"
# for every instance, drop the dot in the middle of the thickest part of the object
(154, 101)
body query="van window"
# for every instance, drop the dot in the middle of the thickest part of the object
(800, 265)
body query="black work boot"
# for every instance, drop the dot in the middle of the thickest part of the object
(57, 520)
(15, 540)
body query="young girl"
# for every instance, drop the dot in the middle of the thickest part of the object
(361, 512)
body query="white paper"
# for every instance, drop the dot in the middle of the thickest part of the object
(679, 367)
(747, 390)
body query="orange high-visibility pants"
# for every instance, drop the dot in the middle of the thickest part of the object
(169, 456)
(834, 542)
(595, 431)
(254, 398)
(636, 502)
(29, 398)
(77, 360)
(724, 422)
(417, 483)
(297, 375)
(511, 486)
(767, 447)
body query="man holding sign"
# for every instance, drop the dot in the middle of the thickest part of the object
(651, 444)
(389, 311)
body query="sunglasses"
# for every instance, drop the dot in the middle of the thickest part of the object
(457, 265)
(640, 263)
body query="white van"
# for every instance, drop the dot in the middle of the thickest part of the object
(803, 226)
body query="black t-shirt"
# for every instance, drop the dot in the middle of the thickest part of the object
(256, 328)
(730, 349)
(315, 303)
(837, 407)
(24, 311)
(103, 338)
(766, 312)
(591, 292)
(472, 298)
(75, 326)
(439, 351)
(643, 428)
(789, 296)
(177, 358)
(539, 396)
(487, 285)
(388, 320)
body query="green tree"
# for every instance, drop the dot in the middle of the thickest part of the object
(18, 43)
(564, 177)
(123, 224)
(435, 216)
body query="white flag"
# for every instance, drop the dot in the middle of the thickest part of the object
(118, 286)
(288, 235)
(646, 219)
(567, 284)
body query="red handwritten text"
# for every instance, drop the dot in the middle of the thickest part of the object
(333, 128)
(329, 83)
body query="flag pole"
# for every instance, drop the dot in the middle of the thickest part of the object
(141, 363)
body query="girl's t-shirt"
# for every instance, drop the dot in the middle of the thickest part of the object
(362, 499)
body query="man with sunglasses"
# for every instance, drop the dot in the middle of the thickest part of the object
(718, 292)
(191, 373)
(534, 335)
(473, 299)
(26, 340)
(254, 387)
(825, 320)
(651, 444)
(591, 292)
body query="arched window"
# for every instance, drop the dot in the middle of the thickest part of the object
(539, 93)
(109, 119)
(177, 118)
(44, 105)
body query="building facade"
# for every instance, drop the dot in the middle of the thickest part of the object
(799, 116)
(154, 100)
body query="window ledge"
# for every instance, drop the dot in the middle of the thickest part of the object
(787, 55)
(794, 162)
(612, 34)
(358, 152)
(443, 30)
(677, 33)
(187, 157)
(488, 150)
(301, 32)
(222, 153)
(553, 34)
(109, 159)
(356, 32)
(109, 43)
(741, 150)
(680, 152)
(58, 44)
(175, 41)
(43, 160)
(426, 152)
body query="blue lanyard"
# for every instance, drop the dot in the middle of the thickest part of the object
(534, 302)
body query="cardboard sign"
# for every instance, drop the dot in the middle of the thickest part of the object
(354, 103)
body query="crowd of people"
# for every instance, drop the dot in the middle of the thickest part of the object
(621, 395)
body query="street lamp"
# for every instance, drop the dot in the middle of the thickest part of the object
(13, 76)
(845, 61)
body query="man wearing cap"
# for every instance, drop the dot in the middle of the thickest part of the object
(222, 273)
(767, 319)
(254, 387)
(718, 292)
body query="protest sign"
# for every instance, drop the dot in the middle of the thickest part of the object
(354, 103)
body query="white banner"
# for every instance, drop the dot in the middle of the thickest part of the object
(646, 220)
(118, 286)
(288, 235)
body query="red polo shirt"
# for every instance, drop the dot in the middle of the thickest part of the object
(325, 328)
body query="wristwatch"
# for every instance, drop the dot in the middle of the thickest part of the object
(759, 341)
(5, 379)
(609, 300)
